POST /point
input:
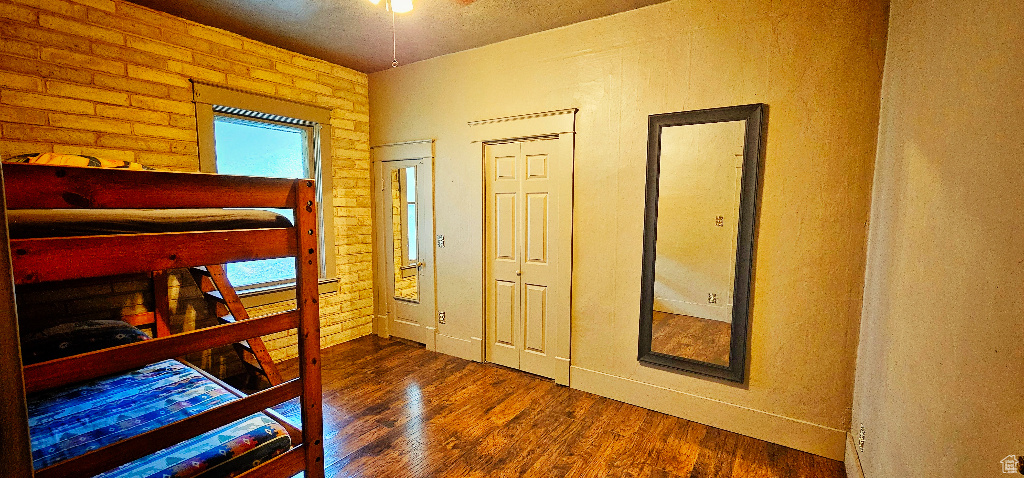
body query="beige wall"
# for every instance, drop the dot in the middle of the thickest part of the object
(108, 78)
(817, 67)
(939, 386)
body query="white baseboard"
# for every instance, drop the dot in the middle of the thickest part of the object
(462, 348)
(801, 435)
(852, 461)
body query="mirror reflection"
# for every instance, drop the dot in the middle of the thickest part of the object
(404, 230)
(701, 166)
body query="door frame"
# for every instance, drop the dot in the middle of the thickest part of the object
(402, 151)
(556, 123)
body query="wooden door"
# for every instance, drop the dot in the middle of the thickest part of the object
(527, 298)
(407, 230)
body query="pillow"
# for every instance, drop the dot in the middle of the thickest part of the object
(75, 338)
(56, 159)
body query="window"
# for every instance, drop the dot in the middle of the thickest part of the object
(252, 135)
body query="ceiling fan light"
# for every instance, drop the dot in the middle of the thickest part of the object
(401, 6)
(375, 2)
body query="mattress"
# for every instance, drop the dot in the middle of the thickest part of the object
(31, 223)
(70, 421)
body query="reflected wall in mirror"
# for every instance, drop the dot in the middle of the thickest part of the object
(404, 229)
(698, 239)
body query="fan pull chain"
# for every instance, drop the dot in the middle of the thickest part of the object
(394, 41)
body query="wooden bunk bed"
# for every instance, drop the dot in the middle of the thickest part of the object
(44, 259)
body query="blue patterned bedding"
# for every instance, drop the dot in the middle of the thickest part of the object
(70, 421)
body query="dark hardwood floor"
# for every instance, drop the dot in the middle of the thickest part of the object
(691, 337)
(393, 409)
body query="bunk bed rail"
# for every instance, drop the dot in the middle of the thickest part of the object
(34, 186)
(50, 259)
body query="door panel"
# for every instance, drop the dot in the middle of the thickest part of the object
(505, 305)
(522, 203)
(536, 227)
(505, 227)
(407, 231)
(534, 314)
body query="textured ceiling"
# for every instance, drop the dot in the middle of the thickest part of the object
(357, 34)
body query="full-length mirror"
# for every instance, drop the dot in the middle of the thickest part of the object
(403, 220)
(698, 239)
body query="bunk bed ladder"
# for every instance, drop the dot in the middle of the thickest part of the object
(213, 282)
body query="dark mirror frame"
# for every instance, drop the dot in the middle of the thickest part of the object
(754, 115)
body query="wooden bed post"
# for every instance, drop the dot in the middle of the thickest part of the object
(16, 459)
(307, 295)
(161, 305)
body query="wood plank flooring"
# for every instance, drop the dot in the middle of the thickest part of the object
(691, 337)
(394, 409)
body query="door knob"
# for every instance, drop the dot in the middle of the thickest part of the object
(519, 273)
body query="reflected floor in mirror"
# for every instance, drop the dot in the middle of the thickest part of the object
(395, 409)
(691, 337)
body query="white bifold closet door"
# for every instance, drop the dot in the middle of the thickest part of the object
(527, 302)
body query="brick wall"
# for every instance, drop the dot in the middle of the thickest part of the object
(109, 78)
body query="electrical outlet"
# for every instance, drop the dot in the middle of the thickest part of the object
(712, 298)
(440, 241)
(720, 221)
(861, 436)
(440, 317)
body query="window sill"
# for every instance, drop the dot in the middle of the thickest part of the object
(280, 293)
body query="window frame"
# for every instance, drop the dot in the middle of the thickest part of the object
(206, 97)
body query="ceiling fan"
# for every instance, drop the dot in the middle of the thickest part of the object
(405, 6)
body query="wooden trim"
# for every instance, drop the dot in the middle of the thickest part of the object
(161, 305)
(35, 186)
(288, 464)
(517, 127)
(220, 280)
(294, 432)
(138, 446)
(541, 114)
(16, 458)
(209, 94)
(92, 365)
(62, 258)
(307, 295)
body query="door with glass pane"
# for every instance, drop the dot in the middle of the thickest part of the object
(407, 227)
